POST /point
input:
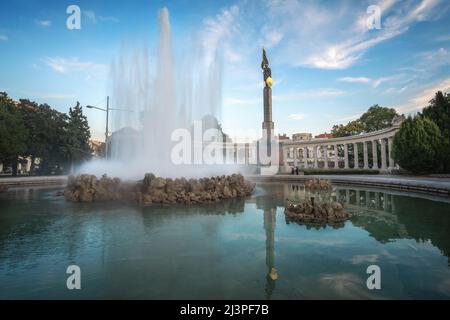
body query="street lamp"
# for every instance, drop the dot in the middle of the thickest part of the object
(107, 120)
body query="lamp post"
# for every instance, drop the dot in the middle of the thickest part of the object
(107, 120)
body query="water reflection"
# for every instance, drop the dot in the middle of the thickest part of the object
(218, 250)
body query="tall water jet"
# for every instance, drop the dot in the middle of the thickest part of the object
(153, 97)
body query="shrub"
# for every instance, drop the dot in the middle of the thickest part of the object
(416, 146)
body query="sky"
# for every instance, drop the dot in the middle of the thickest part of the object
(328, 66)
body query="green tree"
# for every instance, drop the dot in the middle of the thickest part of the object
(78, 134)
(439, 111)
(416, 146)
(377, 118)
(350, 129)
(374, 119)
(13, 133)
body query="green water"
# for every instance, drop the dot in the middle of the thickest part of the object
(225, 250)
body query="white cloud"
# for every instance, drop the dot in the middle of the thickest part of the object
(68, 65)
(374, 82)
(421, 99)
(300, 95)
(3, 37)
(44, 23)
(272, 38)
(355, 79)
(58, 96)
(108, 19)
(335, 35)
(217, 30)
(90, 15)
(296, 116)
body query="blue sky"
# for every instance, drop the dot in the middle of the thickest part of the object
(328, 67)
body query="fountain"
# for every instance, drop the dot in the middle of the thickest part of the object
(157, 98)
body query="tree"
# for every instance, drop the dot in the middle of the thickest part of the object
(350, 129)
(416, 146)
(374, 119)
(78, 134)
(439, 111)
(13, 134)
(377, 118)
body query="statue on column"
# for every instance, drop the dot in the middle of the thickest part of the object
(267, 72)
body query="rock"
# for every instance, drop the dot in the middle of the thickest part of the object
(307, 211)
(87, 188)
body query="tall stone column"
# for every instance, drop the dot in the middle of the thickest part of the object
(336, 157)
(355, 156)
(391, 161)
(295, 156)
(326, 157)
(383, 154)
(315, 156)
(285, 159)
(375, 154)
(366, 156)
(305, 158)
(345, 156)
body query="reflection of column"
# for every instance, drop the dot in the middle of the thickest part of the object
(326, 157)
(355, 156)
(336, 157)
(374, 154)
(377, 200)
(315, 156)
(383, 155)
(295, 156)
(345, 156)
(391, 161)
(366, 156)
(269, 226)
(358, 197)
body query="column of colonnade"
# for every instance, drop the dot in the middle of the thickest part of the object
(321, 152)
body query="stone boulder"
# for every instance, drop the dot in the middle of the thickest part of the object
(152, 189)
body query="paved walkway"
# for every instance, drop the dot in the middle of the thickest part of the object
(14, 182)
(425, 184)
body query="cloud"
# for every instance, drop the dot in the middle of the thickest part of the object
(443, 38)
(58, 96)
(272, 38)
(295, 96)
(3, 37)
(374, 82)
(74, 64)
(335, 35)
(44, 23)
(355, 79)
(369, 259)
(90, 15)
(296, 116)
(421, 99)
(217, 30)
(108, 19)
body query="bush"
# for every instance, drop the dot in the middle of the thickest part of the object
(417, 145)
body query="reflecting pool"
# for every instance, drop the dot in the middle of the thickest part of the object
(225, 250)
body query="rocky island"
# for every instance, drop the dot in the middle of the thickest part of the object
(152, 189)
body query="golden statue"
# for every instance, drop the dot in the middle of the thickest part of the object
(267, 72)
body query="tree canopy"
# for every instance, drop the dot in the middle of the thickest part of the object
(416, 146)
(38, 131)
(374, 119)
